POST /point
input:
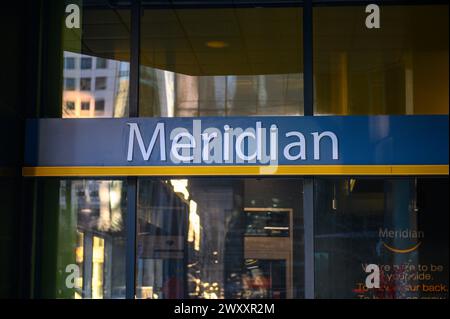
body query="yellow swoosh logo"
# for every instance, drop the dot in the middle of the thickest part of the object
(402, 251)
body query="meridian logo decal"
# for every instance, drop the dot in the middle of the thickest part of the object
(401, 234)
(402, 251)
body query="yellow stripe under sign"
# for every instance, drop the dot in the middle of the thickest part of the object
(400, 170)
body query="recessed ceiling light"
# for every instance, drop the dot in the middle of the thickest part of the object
(216, 44)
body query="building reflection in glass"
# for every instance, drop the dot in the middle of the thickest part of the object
(220, 238)
(238, 61)
(94, 72)
(92, 237)
(94, 86)
(170, 94)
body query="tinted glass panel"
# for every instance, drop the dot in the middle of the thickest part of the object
(98, 47)
(220, 238)
(399, 68)
(398, 225)
(221, 61)
(82, 237)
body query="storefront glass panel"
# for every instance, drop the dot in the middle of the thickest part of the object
(399, 68)
(214, 238)
(81, 242)
(232, 60)
(86, 59)
(399, 225)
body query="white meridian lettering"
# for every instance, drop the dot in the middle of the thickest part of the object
(228, 145)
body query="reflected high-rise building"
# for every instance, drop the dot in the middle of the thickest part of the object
(94, 87)
(171, 94)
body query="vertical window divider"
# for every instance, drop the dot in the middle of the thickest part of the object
(130, 281)
(130, 265)
(308, 85)
(308, 219)
(308, 182)
(135, 57)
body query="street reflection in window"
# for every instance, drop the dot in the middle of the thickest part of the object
(90, 237)
(220, 238)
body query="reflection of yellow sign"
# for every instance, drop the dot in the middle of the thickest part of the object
(402, 251)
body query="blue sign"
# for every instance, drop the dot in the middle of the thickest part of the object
(237, 141)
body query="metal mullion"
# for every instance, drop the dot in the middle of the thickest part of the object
(308, 78)
(130, 279)
(308, 218)
(135, 58)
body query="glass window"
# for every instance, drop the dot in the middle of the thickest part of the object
(100, 83)
(221, 62)
(398, 225)
(215, 238)
(86, 63)
(102, 47)
(85, 84)
(85, 106)
(100, 105)
(82, 245)
(101, 63)
(400, 68)
(69, 63)
(70, 105)
(69, 84)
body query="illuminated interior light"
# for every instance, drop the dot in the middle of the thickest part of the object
(216, 44)
(275, 228)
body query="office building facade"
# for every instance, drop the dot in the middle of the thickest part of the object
(225, 149)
